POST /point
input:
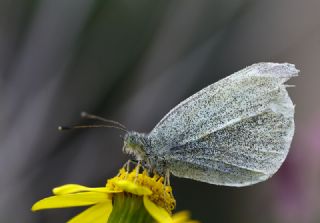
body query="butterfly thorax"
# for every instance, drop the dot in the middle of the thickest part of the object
(139, 145)
(136, 144)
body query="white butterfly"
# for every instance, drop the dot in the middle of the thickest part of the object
(235, 132)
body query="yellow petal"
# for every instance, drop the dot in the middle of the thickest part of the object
(133, 188)
(98, 213)
(158, 213)
(70, 200)
(181, 217)
(75, 188)
(191, 221)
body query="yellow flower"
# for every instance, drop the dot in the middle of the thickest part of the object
(133, 196)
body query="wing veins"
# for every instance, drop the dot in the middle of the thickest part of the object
(219, 170)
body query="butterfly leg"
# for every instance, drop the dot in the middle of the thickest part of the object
(167, 178)
(137, 169)
(166, 182)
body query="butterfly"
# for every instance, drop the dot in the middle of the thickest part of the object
(235, 132)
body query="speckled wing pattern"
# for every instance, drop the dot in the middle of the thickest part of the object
(235, 132)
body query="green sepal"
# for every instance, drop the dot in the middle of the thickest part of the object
(129, 208)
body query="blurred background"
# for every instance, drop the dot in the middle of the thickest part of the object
(132, 61)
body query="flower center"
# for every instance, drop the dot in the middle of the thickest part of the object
(161, 193)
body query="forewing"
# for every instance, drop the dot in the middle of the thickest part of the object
(236, 131)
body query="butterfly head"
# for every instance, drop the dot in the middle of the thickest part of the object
(135, 144)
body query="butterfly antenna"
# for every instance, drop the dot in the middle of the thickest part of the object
(62, 128)
(94, 117)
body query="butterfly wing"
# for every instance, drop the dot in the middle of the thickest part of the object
(234, 132)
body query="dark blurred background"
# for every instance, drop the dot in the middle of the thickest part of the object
(132, 61)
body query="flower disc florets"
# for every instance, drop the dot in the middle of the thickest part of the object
(161, 194)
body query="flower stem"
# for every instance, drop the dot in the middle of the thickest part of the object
(128, 208)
